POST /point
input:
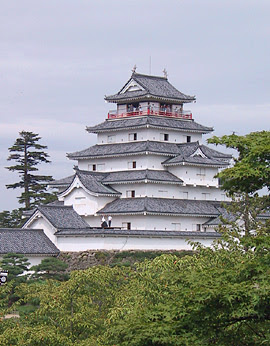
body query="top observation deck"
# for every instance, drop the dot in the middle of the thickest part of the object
(114, 114)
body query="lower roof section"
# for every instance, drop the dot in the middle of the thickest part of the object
(121, 177)
(161, 206)
(27, 242)
(149, 121)
(113, 232)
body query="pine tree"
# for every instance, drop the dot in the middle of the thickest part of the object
(28, 153)
(11, 219)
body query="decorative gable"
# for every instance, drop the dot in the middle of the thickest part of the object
(198, 152)
(132, 86)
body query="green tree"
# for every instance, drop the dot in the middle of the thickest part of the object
(11, 219)
(28, 153)
(251, 170)
(17, 266)
(50, 268)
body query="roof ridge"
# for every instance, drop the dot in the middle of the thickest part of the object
(54, 206)
(148, 76)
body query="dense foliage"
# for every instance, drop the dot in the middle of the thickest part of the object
(251, 169)
(219, 296)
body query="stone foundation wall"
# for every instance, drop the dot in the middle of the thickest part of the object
(86, 259)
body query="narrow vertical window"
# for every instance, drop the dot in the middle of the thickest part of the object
(164, 137)
(188, 139)
(132, 136)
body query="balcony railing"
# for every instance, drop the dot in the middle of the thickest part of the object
(180, 114)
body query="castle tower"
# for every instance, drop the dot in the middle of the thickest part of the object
(149, 170)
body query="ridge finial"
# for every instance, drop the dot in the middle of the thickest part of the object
(165, 73)
(134, 69)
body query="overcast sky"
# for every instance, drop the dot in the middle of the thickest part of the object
(60, 57)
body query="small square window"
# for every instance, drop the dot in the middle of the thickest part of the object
(185, 195)
(164, 137)
(130, 193)
(100, 167)
(132, 164)
(126, 225)
(132, 136)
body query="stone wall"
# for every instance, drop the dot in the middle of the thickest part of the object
(86, 259)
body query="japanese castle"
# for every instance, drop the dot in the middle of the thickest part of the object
(149, 174)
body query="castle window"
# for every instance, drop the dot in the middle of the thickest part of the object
(131, 164)
(94, 167)
(126, 225)
(164, 137)
(205, 196)
(188, 139)
(176, 226)
(130, 193)
(100, 167)
(132, 136)
(185, 195)
(201, 171)
(196, 227)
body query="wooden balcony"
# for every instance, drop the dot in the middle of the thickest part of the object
(179, 114)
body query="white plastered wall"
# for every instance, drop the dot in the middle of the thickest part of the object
(127, 243)
(170, 191)
(84, 203)
(197, 175)
(112, 164)
(151, 222)
(151, 134)
(41, 223)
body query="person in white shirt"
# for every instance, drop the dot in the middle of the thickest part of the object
(109, 220)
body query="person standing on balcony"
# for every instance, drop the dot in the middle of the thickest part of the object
(104, 222)
(109, 220)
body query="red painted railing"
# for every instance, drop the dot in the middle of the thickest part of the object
(182, 115)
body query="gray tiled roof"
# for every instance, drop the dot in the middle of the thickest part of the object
(187, 150)
(24, 241)
(161, 206)
(230, 217)
(62, 182)
(92, 182)
(141, 175)
(152, 122)
(97, 182)
(154, 86)
(62, 216)
(136, 147)
(179, 152)
(130, 233)
(214, 153)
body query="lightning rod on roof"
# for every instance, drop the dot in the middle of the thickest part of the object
(150, 65)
